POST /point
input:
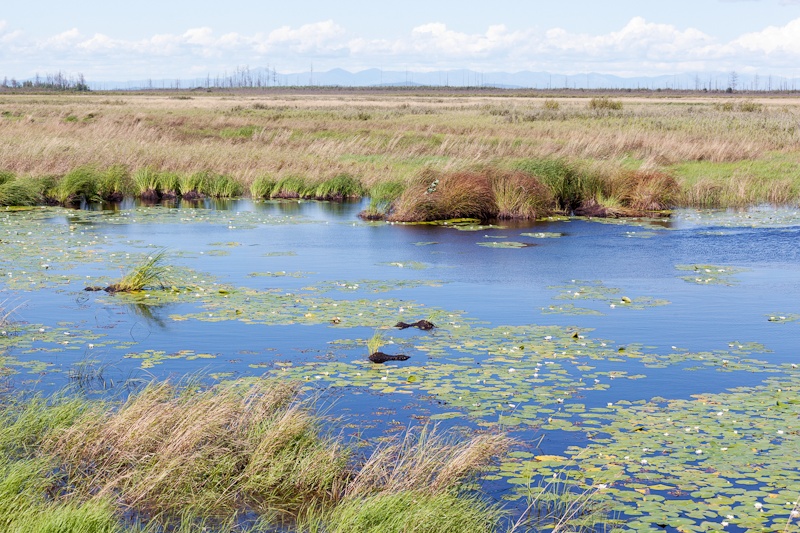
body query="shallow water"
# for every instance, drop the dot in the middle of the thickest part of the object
(586, 316)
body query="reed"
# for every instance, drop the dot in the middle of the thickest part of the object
(80, 184)
(181, 458)
(521, 196)
(21, 192)
(381, 200)
(339, 188)
(316, 138)
(439, 196)
(146, 183)
(115, 183)
(262, 187)
(150, 273)
(290, 187)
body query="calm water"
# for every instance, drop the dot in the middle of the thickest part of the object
(324, 242)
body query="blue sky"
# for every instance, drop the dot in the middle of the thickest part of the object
(169, 39)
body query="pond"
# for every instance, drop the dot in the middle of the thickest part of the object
(651, 363)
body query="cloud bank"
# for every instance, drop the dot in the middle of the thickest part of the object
(640, 47)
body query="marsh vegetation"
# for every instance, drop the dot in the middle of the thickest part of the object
(585, 373)
(526, 155)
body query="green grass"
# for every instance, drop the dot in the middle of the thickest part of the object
(290, 187)
(413, 511)
(339, 188)
(568, 184)
(20, 192)
(82, 183)
(262, 187)
(149, 274)
(115, 183)
(6, 176)
(193, 458)
(772, 180)
(146, 183)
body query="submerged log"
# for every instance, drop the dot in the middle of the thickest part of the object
(421, 324)
(380, 357)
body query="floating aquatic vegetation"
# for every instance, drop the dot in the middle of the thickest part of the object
(544, 235)
(753, 217)
(281, 254)
(783, 317)
(413, 265)
(429, 243)
(372, 285)
(597, 291)
(505, 244)
(280, 274)
(640, 234)
(710, 274)
(690, 465)
(150, 358)
(569, 309)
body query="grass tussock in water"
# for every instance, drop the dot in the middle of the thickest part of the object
(207, 453)
(187, 458)
(80, 184)
(21, 192)
(151, 273)
(443, 195)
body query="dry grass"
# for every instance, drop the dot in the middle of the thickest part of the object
(391, 137)
(438, 196)
(425, 461)
(183, 455)
(168, 452)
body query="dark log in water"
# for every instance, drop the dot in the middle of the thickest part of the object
(421, 324)
(380, 357)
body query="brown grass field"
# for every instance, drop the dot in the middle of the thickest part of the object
(720, 149)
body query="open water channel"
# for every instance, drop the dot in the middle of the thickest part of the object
(650, 362)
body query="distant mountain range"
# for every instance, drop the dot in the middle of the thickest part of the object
(258, 77)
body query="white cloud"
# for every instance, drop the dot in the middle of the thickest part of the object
(640, 46)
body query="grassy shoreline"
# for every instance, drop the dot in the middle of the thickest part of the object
(223, 457)
(537, 154)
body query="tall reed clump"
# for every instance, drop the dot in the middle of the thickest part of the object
(21, 192)
(521, 196)
(568, 184)
(80, 184)
(31, 496)
(146, 183)
(171, 453)
(115, 183)
(222, 186)
(340, 187)
(440, 196)
(408, 484)
(381, 199)
(290, 187)
(262, 186)
(150, 273)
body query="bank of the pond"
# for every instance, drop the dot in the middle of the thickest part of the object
(243, 455)
(417, 157)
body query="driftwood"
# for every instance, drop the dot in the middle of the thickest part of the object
(421, 324)
(380, 357)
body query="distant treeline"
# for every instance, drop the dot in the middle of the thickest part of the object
(54, 82)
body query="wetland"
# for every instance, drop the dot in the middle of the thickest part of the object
(636, 369)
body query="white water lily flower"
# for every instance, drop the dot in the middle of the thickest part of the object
(758, 505)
